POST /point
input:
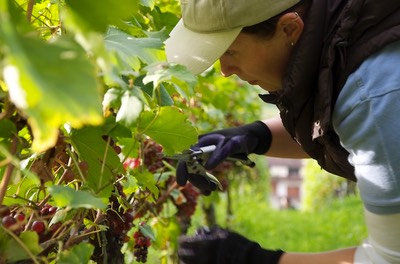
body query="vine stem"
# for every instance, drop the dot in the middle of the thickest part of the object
(29, 10)
(8, 172)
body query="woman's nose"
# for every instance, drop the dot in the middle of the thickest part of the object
(227, 69)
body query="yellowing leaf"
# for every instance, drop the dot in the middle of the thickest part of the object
(52, 84)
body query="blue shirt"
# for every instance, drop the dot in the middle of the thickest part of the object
(367, 119)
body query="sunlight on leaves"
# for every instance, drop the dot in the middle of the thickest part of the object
(184, 81)
(102, 13)
(130, 109)
(51, 95)
(134, 50)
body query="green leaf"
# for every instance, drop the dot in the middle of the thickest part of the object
(13, 251)
(130, 185)
(114, 129)
(134, 50)
(31, 241)
(112, 99)
(103, 161)
(7, 128)
(52, 83)
(159, 94)
(130, 109)
(65, 196)
(169, 127)
(80, 253)
(147, 180)
(62, 215)
(98, 15)
(168, 231)
(177, 74)
(147, 231)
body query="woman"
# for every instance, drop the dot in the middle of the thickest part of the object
(331, 67)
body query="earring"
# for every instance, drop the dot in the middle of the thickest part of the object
(292, 44)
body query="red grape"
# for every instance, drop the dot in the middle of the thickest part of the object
(8, 221)
(19, 217)
(38, 227)
(4, 210)
(141, 244)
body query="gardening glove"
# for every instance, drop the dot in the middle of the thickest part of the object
(220, 246)
(235, 142)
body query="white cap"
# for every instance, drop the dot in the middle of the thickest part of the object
(208, 28)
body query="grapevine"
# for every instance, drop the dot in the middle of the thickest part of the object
(151, 155)
(83, 129)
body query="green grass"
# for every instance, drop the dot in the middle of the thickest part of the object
(339, 224)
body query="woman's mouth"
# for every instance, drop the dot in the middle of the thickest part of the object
(253, 82)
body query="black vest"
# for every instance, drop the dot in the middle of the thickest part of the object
(338, 35)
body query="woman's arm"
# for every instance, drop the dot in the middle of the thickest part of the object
(341, 256)
(282, 145)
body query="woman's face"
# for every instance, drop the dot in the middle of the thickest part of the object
(259, 61)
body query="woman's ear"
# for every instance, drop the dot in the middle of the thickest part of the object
(291, 25)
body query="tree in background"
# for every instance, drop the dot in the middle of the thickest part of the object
(321, 187)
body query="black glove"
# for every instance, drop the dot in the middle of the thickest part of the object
(219, 246)
(232, 142)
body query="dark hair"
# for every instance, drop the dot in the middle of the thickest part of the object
(266, 29)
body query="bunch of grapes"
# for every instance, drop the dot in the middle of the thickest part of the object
(187, 208)
(119, 219)
(153, 159)
(186, 204)
(15, 220)
(141, 245)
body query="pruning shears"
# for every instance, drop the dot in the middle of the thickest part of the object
(195, 160)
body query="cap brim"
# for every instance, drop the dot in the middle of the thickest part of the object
(197, 51)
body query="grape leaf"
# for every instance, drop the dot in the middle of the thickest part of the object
(64, 196)
(147, 231)
(43, 82)
(147, 180)
(169, 127)
(98, 15)
(102, 160)
(167, 231)
(80, 253)
(12, 251)
(7, 128)
(160, 93)
(159, 72)
(31, 241)
(134, 50)
(130, 109)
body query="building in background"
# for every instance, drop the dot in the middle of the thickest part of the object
(286, 183)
